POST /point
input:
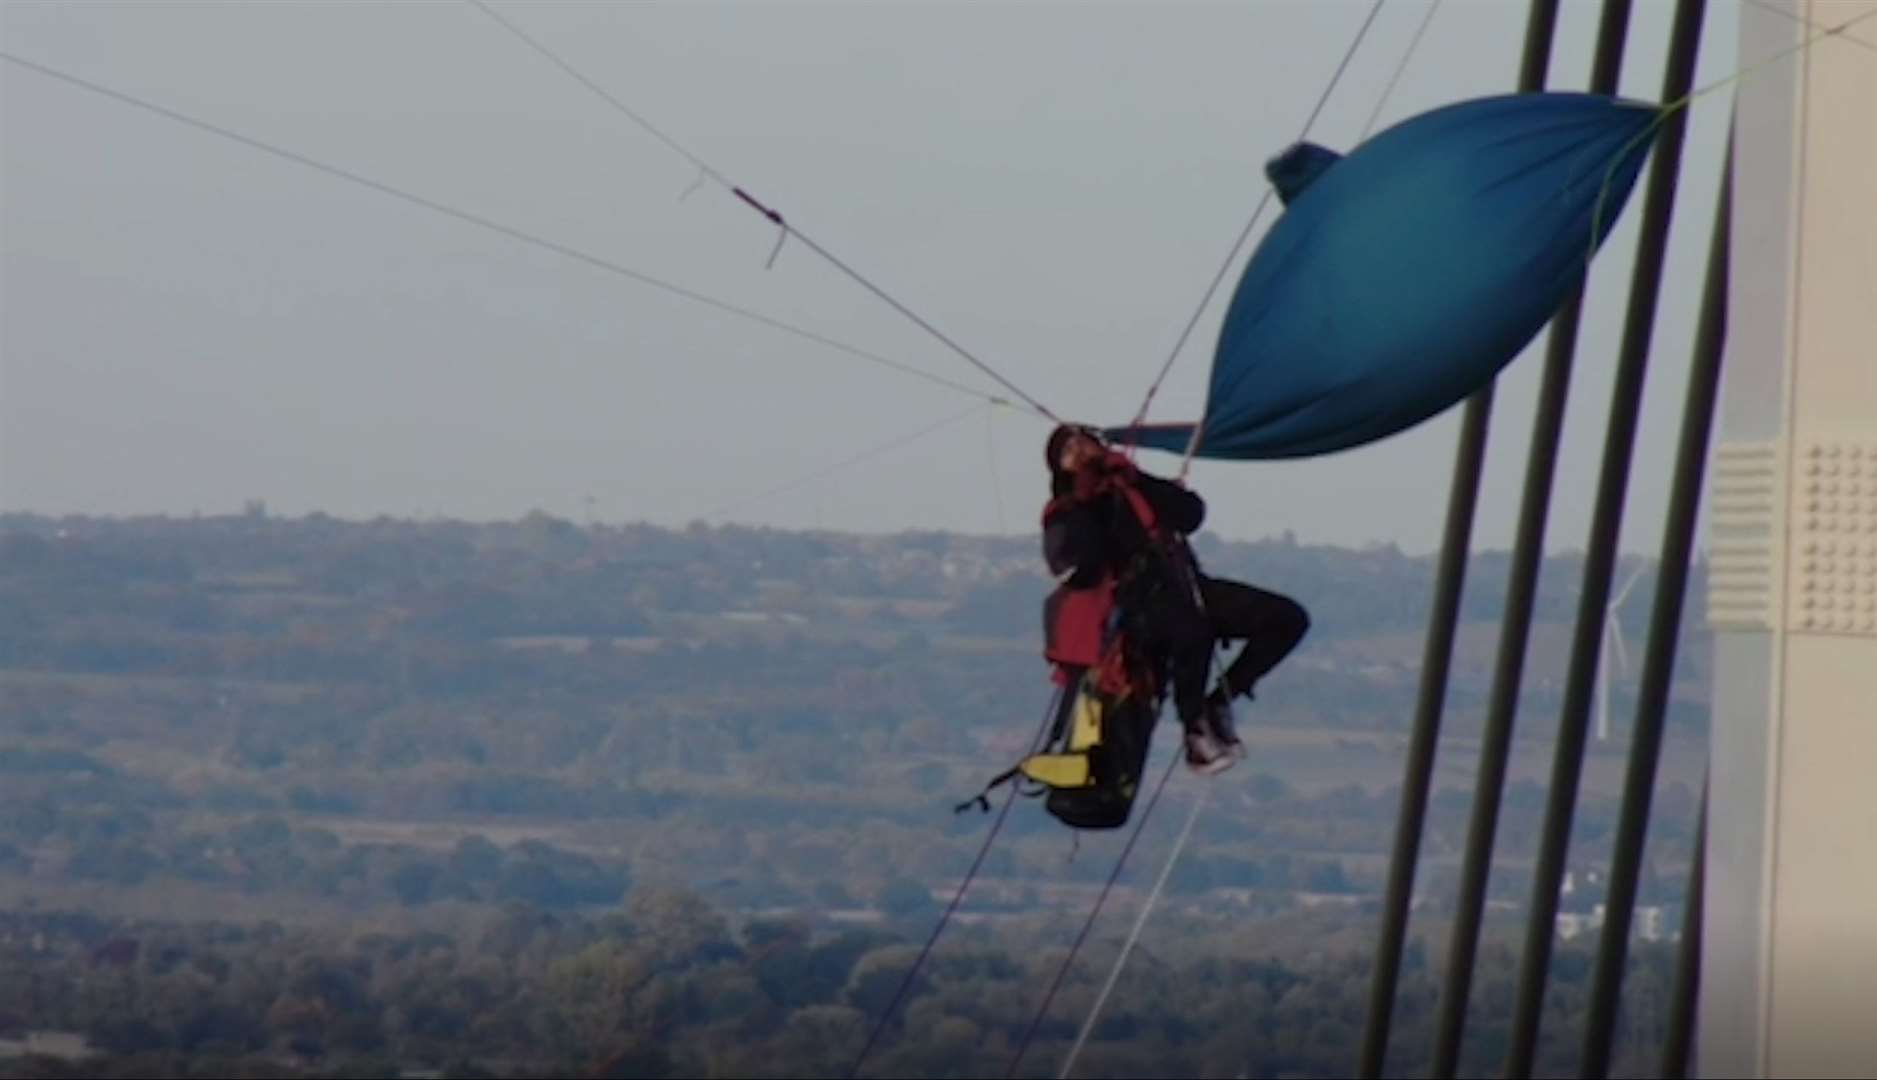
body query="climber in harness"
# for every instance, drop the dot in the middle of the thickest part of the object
(1109, 525)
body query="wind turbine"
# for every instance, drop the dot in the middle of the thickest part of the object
(1614, 653)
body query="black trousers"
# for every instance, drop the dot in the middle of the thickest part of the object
(1181, 632)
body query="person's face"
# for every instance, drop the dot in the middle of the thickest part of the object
(1077, 451)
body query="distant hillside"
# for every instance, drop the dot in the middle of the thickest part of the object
(546, 575)
(403, 712)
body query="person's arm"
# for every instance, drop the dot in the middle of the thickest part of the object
(1177, 508)
(1072, 543)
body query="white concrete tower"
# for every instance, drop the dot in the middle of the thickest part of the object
(1789, 964)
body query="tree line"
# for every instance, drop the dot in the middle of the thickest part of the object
(665, 985)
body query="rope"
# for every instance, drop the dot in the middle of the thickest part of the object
(1192, 449)
(1153, 898)
(958, 896)
(1088, 923)
(1803, 21)
(547, 54)
(1667, 112)
(1245, 234)
(1185, 465)
(1413, 43)
(558, 248)
(1822, 33)
(772, 215)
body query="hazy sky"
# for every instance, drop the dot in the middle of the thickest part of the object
(189, 323)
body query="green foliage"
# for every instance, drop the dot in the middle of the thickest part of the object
(464, 744)
(674, 990)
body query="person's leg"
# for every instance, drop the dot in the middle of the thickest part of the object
(1174, 628)
(1269, 624)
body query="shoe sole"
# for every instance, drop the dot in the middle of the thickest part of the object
(1212, 768)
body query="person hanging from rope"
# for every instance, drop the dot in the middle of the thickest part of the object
(1109, 521)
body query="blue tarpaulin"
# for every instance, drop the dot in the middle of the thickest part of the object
(1401, 278)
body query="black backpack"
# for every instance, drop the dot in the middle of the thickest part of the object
(1091, 766)
(1088, 767)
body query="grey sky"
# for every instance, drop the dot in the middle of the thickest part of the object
(189, 323)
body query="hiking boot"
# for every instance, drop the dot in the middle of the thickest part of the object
(1217, 721)
(1204, 754)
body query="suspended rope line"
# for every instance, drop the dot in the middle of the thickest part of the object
(1192, 448)
(1185, 465)
(1205, 301)
(1803, 21)
(1341, 68)
(575, 73)
(776, 218)
(958, 895)
(1199, 428)
(1388, 91)
(1838, 30)
(1669, 110)
(1166, 870)
(1034, 404)
(1244, 234)
(771, 214)
(1134, 935)
(558, 248)
(1088, 923)
(845, 463)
